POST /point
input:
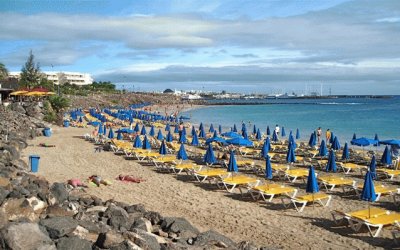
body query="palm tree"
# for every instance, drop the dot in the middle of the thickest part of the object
(3, 71)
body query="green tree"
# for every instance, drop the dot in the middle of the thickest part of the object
(30, 73)
(3, 71)
(58, 103)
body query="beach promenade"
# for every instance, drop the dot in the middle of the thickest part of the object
(204, 205)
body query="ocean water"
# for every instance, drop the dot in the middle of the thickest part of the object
(343, 116)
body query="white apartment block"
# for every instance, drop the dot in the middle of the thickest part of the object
(76, 78)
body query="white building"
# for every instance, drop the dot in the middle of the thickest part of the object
(76, 78)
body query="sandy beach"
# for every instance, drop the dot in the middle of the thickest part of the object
(204, 205)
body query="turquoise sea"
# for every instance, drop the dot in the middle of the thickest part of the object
(343, 116)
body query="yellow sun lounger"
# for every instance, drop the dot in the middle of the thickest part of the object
(293, 174)
(381, 190)
(389, 173)
(354, 218)
(268, 191)
(249, 151)
(239, 181)
(162, 162)
(203, 175)
(300, 202)
(348, 167)
(330, 182)
(377, 223)
(187, 167)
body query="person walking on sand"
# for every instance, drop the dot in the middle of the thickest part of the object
(319, 132)
(277, 129)
(328, 135)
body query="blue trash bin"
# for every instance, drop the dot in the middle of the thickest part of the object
(34, 163)
(66, 124)
(47, 132)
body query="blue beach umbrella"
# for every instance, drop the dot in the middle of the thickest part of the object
(244, 134)
(297, 134)
(182, 138)
(80, 119)
(240, 141)
(254, 129)
(137, 143)
(331, 139)
(136, 129)
(119, 135)
(232, 166)
(176, 129)
(209, 157)
(335, 144)
(268, 168)
(372, 167)
(323, 151)
(215, 135)
(220, 129)
(268, 131)
(283, 132)
(183, 131)
(152, 133)
(291, 140)
(274, 137)
(244, 127)
(100, 131)
(111, 134)
(193, 132)
(312, 184)
(104, 129)
(258, 134)
(143, 131)
(211, 130)
(182, 153)
(331, 166)
(290, 156)
(354, 136)
(376, 138)
(146, 143)
(195, 140)
(368, 191)
(167, 127)
(169, 137)
(346, 152)
(202, 133)
(163, 148)
(234, 128)
(201, 126)
(312, 142)
(160, 135)
(386, 157)
(362, 142)
(230, 134)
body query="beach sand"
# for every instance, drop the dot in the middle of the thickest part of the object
(204, 205)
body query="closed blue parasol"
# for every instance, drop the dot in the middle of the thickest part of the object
(291, 140)
(193, 132)
(331, 166)
(346, 152)
(368, 191)
(386, 157)
(167, 127)
(111, 134)
(254, 129)
(195, 140)
(160, 135)
(182, 153)
(137, 143)
(312, 142)
(372, 167)
(119, 135)
(258, 134)
(201, 126)
(136, 129)
(268, 131)
(244, 127)
(100, 131)
(202, 133)
(169, 137)
(283, 133)
(220, 129)
(244, 134)
(275, 137)
(268, 168)
(354, 136)
(143, 131)
(297, 134)
(80, 119)
(105, 129)
(209, 157)
(323, 151)
(312, 184)
(211, 130)
(146, 143)
(176, 129)
(331, 139)
(290, 156)
(232, 166)
(234, 128)
(163, 148)
(376, 138)
(335, 144)
(182, 137)
(240, 141)
(152, 132)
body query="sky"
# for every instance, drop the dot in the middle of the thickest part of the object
(248, 46)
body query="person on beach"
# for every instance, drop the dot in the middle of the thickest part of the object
(97, 180)
(319, 133)
(328, 135)
(277, 129)
(129, 178)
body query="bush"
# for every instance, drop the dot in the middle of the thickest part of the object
(58, 103)
(49, 114)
